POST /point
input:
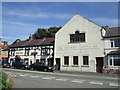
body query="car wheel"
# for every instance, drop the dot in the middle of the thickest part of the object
(23, 68)
(45, 70)
(31, 68)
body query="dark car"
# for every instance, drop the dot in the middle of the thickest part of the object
(5, 64)
(40, 66)
(18, 65)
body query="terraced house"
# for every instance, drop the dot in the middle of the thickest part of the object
(112, 49)
(32, 50)
(79, 46)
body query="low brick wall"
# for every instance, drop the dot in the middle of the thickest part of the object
(111, 70)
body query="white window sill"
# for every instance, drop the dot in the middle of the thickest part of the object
(75, 66)
(65, 65)
(85, 66)
(114, 66)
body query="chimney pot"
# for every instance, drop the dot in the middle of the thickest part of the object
(106, 27)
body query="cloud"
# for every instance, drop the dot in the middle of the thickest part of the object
(45, 15)
(18, 23)
(27, 24)
(106, 21)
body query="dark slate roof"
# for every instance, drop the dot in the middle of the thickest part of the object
(34, 42)
(114, 53)
(113, 32)
(4, 47)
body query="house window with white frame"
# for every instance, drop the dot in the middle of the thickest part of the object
(45, 51)
(115, 42)
(75, 60)
(27, 50)
(66, 60)
(114, 60)
(12, 52)
(85, 60)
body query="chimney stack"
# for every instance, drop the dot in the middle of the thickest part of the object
(106, 27)
(30, 37)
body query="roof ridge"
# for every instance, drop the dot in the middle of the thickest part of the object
(114, 28)
(44, 38)
(4, 45)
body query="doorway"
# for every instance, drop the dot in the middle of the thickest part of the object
(57, 63)
(50, 62)
(99, 64)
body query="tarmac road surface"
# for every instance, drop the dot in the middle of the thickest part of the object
(37, 79)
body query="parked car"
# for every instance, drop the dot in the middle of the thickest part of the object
(5, 64)
(18, 65)
(40, 66)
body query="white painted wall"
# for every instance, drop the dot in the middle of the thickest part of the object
(31, 57)
(93, 47)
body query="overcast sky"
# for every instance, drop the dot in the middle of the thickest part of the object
(23, 18)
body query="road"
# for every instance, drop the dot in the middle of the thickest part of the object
(37, 79)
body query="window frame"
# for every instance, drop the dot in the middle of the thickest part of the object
(27, 51)
(66, 59)
(74, 60)
(45, 51)
(111, 60)
(77, 37)
(84, 60)
(12, 52)
(113, 43)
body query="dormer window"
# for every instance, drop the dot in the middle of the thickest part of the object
(77, 37)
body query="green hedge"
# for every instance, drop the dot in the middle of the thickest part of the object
(5, 85)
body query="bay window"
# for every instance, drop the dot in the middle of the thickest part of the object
(114, 60)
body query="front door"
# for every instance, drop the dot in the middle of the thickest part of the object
(57, 63)
(99, 64)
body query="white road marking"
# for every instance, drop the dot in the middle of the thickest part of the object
(78, 81)
(52, 77)
(46, 78)
(61, 79)
(34, 76)
(95, 82)
(114, 84)
(23, 75)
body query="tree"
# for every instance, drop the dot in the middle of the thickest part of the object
(53, 30)
(40, 33)
(44, 33)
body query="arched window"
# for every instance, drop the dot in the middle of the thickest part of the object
(77, 37)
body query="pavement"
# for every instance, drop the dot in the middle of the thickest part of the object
(76, 73)
(89, 74)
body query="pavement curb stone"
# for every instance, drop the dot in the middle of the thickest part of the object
(89, 74)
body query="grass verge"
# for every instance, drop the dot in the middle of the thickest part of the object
(5, 85)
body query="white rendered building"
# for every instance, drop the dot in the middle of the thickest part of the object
(79, 46)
